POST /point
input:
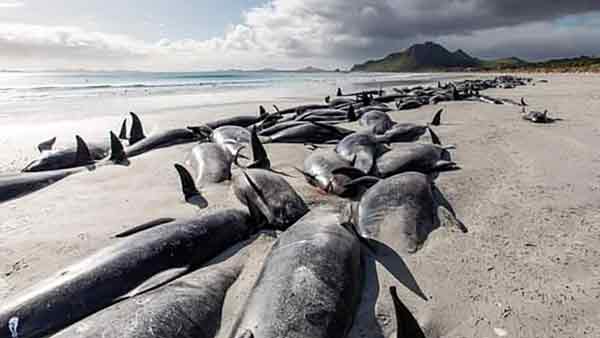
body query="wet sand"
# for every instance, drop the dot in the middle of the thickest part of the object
(529, 194)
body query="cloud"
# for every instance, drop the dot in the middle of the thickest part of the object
(331, 33)
(11, 4)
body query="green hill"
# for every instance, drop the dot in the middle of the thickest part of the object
(421, 57)
(430, 56)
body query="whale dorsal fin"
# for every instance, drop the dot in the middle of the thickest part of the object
(123, 132)
(187, 183)
(352, 114)
(47, 145)
(339, 92)
(406, 324)
(83, 155)
(142, 227)
(437, 119)
(137, 130)
(434, 138)
(259, 154)
(262, 112)
(117, 153)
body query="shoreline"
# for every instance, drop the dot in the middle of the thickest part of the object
(529, 195)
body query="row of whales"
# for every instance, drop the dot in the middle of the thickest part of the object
(154, 281)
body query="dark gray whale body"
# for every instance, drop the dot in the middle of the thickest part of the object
(210, 163)
(230, 138)
(160, 140)
(269, 196)
(402, 208)
(319, 170)
(189, 307)
(361, 149)
(419, 157)
(17, 185)
(309, 133)
(377, 121)
(150, 256)
(72, 157)
(310, 284)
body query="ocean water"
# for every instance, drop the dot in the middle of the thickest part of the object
(40, 97)
(28, 86)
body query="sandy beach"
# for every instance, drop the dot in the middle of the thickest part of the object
(529, 195)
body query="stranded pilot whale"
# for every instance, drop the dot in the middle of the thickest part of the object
(402, 209)
(142, 259)
(16, 185)
(189, 307)
(310, 283)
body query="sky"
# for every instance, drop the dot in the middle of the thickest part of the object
(188, 35)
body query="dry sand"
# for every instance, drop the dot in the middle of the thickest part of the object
(529, 194)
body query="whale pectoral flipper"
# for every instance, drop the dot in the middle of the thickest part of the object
(142, 227)
(443, 166)
(406, 324)
(442, 203)
(47, 145)
(155, 282)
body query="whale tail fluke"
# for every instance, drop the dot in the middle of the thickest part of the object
(137, 130)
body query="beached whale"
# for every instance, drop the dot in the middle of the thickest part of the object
(400, 211)
(310, 283)
(140, 143)
(313, 132)
(230, 138)
(409, 132)
(20, 184)
(189, 307)
(360, 149)
(210, 163)
(420, 157)
(141, 259)
(319, 168)
(537, 116)
(376, 121)
(269, 197)
(81, 155)
(240, 120)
